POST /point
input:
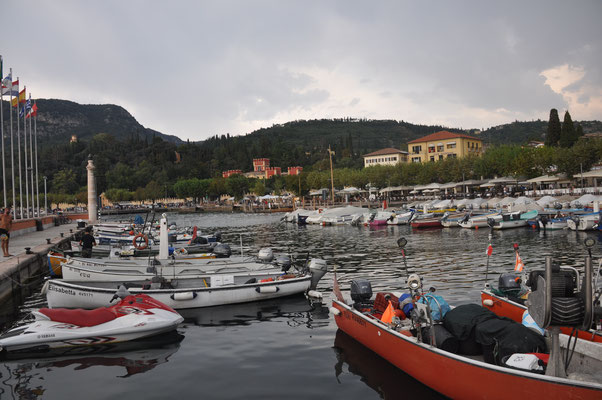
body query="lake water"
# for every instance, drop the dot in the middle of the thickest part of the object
(287, 348)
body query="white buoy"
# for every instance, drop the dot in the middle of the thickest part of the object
(315, 294)
(163, 239)
(488, 303)
(267, 289)
(335, 311)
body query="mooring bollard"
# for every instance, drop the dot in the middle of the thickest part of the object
(47, 241)
(70, 230)
(28, 250)
(62, 234)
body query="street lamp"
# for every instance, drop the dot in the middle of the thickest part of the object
(45, 197)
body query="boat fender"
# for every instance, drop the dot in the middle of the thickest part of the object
(137, 243)
(45, 288)
(488, 303)
(267, 289)
(315, 294)
(335, 311)
(180, 296)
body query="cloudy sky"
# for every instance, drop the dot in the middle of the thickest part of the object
(195, 68)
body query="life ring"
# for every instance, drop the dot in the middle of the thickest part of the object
(136, 241)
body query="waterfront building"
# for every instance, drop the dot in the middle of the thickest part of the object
(388, 156)
(443, 144)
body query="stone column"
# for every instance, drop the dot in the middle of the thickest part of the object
(92, 200)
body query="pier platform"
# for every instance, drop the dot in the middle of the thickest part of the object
(24, 270)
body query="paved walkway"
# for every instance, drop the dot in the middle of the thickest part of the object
(36, 241)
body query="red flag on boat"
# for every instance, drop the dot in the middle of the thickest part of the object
(518, 267)
(336, 289)
(489, 250)
(388, 314)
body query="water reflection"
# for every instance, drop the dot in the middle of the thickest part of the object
(296, 310)
(18, 373)
(376, 372)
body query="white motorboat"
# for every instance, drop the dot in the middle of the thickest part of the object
(552, 224)
(135, 316)
(583, 222)
(189, 293)
(511, 220)
(401, 218)
(476, 221)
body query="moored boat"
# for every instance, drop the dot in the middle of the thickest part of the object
(134, 317)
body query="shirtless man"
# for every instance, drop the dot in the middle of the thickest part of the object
(6, 222)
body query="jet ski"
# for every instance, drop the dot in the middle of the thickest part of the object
(134, 317)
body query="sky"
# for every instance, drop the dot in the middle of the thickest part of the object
(196, 69)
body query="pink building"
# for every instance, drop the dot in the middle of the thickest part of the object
(295, 170)
(272, 171)
(261, 164)
(227, 174)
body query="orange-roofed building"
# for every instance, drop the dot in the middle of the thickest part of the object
(272, 171)
(261, 164)
(443, 144)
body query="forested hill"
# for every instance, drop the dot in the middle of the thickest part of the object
(521, 132)
(58, 120)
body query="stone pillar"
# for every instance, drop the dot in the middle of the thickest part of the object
(92, 200)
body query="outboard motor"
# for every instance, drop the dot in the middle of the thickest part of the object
(222, 250)
(317, 268)
(285, 262)
(510, 284)
(361, 293)
(265, 255)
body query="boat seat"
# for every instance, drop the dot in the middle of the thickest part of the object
(79, 316)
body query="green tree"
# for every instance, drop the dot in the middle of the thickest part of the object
(65, 182)
(567, 134)
(554, 129)
(237, 185)
(259, 188)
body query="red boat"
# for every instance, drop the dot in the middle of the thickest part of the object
(427, 223)
(493, 369)
(505, 307)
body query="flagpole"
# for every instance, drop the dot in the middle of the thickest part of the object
(26, 161)
(35, 135)
(19, 152)
(33, 214)
(12, 147)
(2, 130)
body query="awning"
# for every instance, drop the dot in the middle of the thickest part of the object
(503, 179)
(546, 178)
(595, 173)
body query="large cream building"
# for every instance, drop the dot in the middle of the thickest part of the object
(441, 145)
(387, 156)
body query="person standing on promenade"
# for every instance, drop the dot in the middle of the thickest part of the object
(87, 242)
(6, 223)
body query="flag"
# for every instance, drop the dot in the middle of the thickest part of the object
(34, 110)
(9, 87)
(388, 314)
(336, 289)
(518, 266)
(489, 250)
(19, 100)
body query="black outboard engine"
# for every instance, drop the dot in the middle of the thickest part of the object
(284, 262)
(218, 236)
(222, 250)
(510, 284)
(361, 293)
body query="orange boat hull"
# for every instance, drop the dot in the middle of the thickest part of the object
(452, 375)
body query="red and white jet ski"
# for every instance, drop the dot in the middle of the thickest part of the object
(132, 318)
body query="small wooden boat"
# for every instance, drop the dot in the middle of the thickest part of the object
(427, 223)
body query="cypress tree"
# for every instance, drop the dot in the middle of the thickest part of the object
(578, 131)
(553, 134)
(567, 134)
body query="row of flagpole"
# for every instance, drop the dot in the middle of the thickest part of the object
(28, 111)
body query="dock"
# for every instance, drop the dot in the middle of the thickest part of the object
(22, 273)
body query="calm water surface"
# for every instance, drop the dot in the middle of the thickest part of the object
(287, 348)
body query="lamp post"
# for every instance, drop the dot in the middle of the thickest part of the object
(45, 197)
(330, 153)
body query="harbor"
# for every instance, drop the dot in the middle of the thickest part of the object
(273, 335)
